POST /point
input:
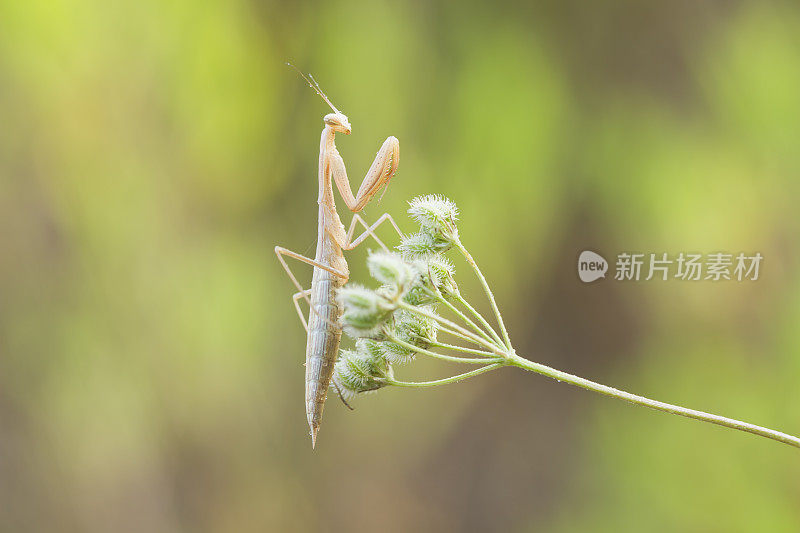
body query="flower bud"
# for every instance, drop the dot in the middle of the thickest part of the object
(436, 214)
(390, 269)
(370, 349)
(365, 310)
(422, 244)
(442, 274)
(359, 370)
(419, 295)
(417, 245)
(420, 292)
(396, 354)
(417, 329)
(410, 328)
(359, 299)
(434, 273)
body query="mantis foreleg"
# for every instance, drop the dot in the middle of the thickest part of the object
(378, 175)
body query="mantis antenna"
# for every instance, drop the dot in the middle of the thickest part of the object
(314, 85)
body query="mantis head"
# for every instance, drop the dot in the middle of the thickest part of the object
(338, 122)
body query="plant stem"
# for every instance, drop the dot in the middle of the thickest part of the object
(462, 349)
(465, 318)
(480, 318)
(525, 364)
(454, 333)
(486, 289)
(417, 349)
(448, 323)
(444, 381)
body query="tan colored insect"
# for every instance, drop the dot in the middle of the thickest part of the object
(330, 268)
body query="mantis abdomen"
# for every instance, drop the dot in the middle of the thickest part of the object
(324, 332)
(322, 346)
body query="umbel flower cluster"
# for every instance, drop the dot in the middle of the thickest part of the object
(399, 320)
(416, 309)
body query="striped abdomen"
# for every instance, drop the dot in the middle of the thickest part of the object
(322, 347)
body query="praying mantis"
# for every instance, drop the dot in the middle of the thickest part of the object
(330, 267)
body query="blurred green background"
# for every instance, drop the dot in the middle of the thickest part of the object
(153, 153)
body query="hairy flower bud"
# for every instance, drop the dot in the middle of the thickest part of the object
(360, 370)
(396, 354)
(417, 245)
(419, 295)
(421, 291)
(390, 269)
(436, 214)
(412, 329)
(434, 274)
(442, 273)
(423, 244)
(417, 329)
(365, 310)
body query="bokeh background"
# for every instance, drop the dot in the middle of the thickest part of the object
(153, 153)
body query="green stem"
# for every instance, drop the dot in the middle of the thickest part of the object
(451, 325)
(486, 289)
(444, 381)
(417, 349)
(466, 319)
(462, 349)
(544, 370)
(454, 333)
(480, 318)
